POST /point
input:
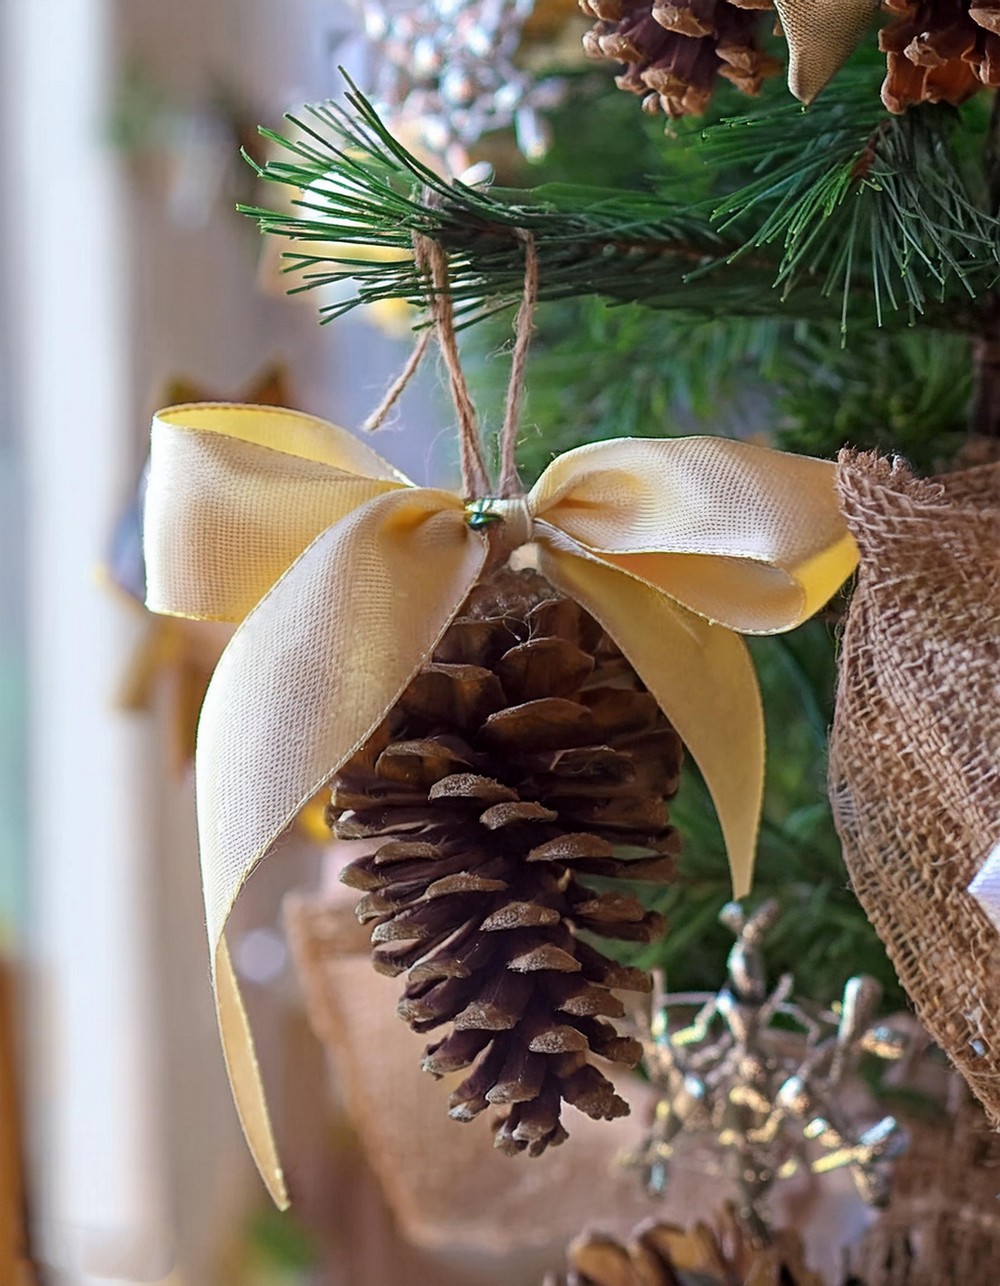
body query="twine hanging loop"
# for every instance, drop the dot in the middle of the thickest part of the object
(433, 262)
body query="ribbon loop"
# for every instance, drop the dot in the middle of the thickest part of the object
(741, 534)
(346, 576)
(236, 493)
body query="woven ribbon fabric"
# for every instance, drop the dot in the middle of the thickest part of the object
(915, 749)
(344, 577)
(821, 36)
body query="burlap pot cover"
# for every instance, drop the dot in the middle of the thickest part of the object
(446, 1185)
(915, 748)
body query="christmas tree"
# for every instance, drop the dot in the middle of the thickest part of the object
(728, 261)
(814, 277)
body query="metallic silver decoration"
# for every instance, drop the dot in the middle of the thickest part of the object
(759, 1079)
(447, 69)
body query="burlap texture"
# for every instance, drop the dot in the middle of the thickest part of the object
(915, 748)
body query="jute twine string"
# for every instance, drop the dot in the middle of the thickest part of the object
(432, 261)
(510, 483)
(398, 386)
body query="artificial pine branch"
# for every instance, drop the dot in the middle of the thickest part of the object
(355, 185)
(630, 371)
(861, 196)
(839, 200)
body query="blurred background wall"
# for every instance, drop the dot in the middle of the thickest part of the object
(129, 281)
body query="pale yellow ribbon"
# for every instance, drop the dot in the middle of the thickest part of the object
(821, 35)
(345, 576)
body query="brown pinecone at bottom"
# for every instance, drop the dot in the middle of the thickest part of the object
(661, 1254)
(510, 773)
(675, 48)
(939, 51)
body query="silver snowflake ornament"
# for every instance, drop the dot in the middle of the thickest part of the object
(448, 70)
(763, 1082)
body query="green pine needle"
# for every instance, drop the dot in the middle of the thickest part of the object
(850, 192)
(355, 185)
(812, 213)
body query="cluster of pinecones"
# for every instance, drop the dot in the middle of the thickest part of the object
(521, 777)
(936, 50)
(674, 49)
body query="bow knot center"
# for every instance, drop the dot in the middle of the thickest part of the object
(512, 514)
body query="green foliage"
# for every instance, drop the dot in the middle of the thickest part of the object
(903, 392)
(598, 372)
(823, 937)
(138, 111)
(854, 195)
(786, 212)
(357, 186)
(280, 1241)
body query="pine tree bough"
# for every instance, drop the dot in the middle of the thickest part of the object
(674, 49)
(505, 784)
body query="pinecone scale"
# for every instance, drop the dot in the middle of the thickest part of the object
(503, 787)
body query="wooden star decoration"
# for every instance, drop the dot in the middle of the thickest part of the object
(174, 656)
(821, 36)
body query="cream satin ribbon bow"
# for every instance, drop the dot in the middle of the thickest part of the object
(345, 576)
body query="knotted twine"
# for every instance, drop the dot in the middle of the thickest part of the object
(345, 577)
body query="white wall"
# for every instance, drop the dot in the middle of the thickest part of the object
(138, 1161)
(98, 1189)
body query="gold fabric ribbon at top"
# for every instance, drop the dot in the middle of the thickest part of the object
(345, 576)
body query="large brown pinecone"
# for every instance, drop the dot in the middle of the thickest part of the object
(675, 48)
(939, 51)
(515, 766)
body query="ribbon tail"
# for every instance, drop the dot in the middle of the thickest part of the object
(703, 679)
(244, 1076)
(302, 685)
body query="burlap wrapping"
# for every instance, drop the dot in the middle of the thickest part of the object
(446, 1184)
(915, 749)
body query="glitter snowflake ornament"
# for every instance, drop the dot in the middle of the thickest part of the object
(764, 1081)
(447, 71)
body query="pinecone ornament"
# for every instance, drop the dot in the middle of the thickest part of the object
(939, 51)
(514, 768)
(661, 1254)
(674, 49)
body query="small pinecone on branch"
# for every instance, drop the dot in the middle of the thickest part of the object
(939, 51)
(516, 764)
(674, 49)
